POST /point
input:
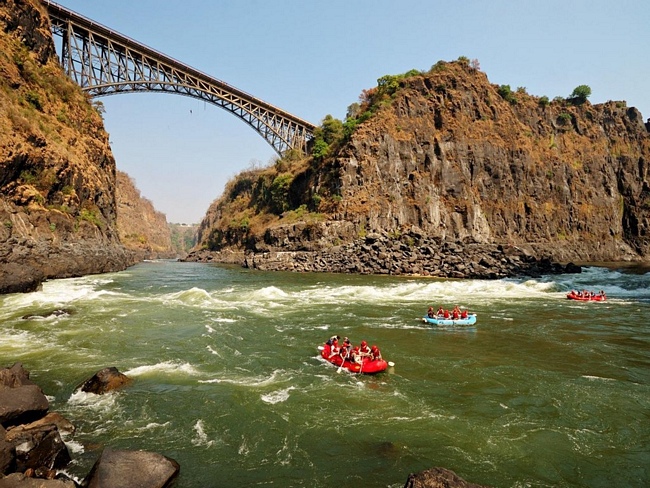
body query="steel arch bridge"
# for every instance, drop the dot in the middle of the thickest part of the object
(103, 62)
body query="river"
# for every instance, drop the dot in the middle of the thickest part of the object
(542, 392)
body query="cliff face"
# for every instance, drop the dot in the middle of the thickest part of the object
(141, 227)
(454, 158)
(450, 157)
(57, 173)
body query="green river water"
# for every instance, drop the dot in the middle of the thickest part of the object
(542, 392)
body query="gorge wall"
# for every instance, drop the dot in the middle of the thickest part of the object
(57, 174)
(450, 157)
(141, 228)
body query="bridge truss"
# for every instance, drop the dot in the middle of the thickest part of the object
(103, 62)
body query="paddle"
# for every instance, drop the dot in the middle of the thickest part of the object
(391, 363)
(343, 362)
(321, 348)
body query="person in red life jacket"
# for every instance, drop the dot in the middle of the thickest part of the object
(335, 349)
(355, 355)
(455, 314)
(331, 340)
(464, 314)
(446, 314)
(345, 349)
(364, 350)
(440, 312)
(375, 354)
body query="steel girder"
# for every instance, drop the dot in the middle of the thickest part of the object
(103, 62)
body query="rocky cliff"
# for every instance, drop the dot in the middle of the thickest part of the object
(451, 158)
(57, 173)
(141, 227)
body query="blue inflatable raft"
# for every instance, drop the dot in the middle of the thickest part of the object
(470, 320)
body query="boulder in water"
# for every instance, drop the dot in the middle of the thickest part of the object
(144, 469)
(105, 380)
(438, 478)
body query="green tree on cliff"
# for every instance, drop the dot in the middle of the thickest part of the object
(580, 94)
(328, 134)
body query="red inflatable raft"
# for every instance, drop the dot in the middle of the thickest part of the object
(367, 367)
(572, 295)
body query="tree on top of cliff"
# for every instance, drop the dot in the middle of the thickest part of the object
(580, 94)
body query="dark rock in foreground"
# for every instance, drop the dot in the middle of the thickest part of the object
(20, 399)
(37, 447)
(20, 480)
(438, 478)
(119, 469)
(31, 454)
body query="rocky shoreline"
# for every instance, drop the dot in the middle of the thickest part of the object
(411, 254)
(26, 263)
(33, 452)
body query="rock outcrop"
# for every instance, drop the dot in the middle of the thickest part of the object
(462, 162)
(57, 172)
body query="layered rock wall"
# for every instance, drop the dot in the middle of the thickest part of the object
(449, 157)
(57, 173)
(453, 158)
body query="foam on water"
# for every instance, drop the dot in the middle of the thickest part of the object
(201, 438)
(407, 292)
(74, 446)
(193, 296)
(165, 367)
(277, 396)
(153, 426)
(249, 381)
(597, 378)
(97, 403)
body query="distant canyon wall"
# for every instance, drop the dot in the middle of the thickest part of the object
(141, 227)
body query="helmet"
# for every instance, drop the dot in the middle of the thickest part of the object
(364, 343)
(373, 348)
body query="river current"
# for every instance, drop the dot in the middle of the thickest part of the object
(541, 392)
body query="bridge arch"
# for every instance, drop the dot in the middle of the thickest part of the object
(103, 62)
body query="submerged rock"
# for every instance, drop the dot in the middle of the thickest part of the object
(105, 380)
(438, 478)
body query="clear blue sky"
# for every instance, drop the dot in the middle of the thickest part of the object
(315, 58)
